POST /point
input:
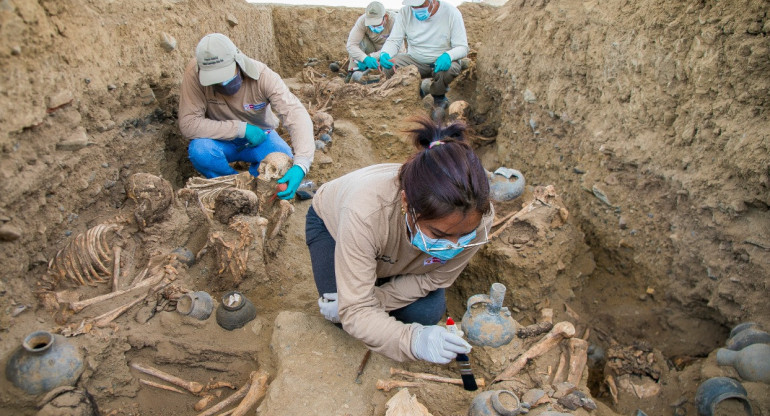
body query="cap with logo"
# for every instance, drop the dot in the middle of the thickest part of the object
(216, 55)
(375, 11)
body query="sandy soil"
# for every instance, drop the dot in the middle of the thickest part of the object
(642, 126)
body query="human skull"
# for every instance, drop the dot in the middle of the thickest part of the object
(459, 110)
(274, 166)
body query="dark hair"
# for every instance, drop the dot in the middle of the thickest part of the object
(445, 175)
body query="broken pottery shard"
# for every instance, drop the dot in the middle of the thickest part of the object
(570, 401)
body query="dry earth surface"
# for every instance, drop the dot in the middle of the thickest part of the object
(641, 128)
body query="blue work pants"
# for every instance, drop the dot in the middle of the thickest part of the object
(212, 157)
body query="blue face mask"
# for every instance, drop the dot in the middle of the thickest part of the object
(231, 86)
(421, 13)
(377, 29)
(440, 248)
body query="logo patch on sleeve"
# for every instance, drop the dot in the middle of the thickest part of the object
(254, 107)
(433, 260)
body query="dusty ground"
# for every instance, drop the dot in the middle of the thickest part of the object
(648, 119)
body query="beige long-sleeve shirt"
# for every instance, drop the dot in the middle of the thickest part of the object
(362, 211)
(206, 113)
(361, 31)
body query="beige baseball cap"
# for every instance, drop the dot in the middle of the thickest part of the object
(216, 55)
(413, 3)
(375, 11)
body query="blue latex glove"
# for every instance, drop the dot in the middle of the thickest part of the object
(370, 62)
(385, 61)
(329, 308)
(292, 179)
(443, 63)
(361, 66)
(437, 345)
(254, 135)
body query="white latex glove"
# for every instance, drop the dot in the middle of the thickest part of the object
(329, 308)
(435, 344)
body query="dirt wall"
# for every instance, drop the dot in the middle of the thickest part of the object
(648, 118)
(90, 92)
(652, 117)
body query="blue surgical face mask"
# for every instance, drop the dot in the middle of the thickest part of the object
(440, 248)
(231, 86)
(422, 13)
(377, 29)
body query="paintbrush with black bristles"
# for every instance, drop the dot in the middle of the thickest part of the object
(463, 362)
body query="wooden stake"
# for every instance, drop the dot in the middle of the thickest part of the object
(362, 366)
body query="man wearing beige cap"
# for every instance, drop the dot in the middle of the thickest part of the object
(367, 37)
(435, 35)
(226, 110)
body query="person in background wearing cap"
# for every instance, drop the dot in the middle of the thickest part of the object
(386, 241)
(436, 41)
(226, 109)
(367, 37)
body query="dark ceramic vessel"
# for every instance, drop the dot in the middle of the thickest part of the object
(43, 362)
(235, 311)
(716, 389)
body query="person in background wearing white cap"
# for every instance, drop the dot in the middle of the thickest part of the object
(436, 41)
(226, 109)
(367, 37)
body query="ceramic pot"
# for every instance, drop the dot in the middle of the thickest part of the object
(496, 403)
(716, 389)
(746, 337)
(486, 322)
(43, 362)
(235, 311)
(742, 326)
(196, 305)
(752, 362)
(505, 184)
